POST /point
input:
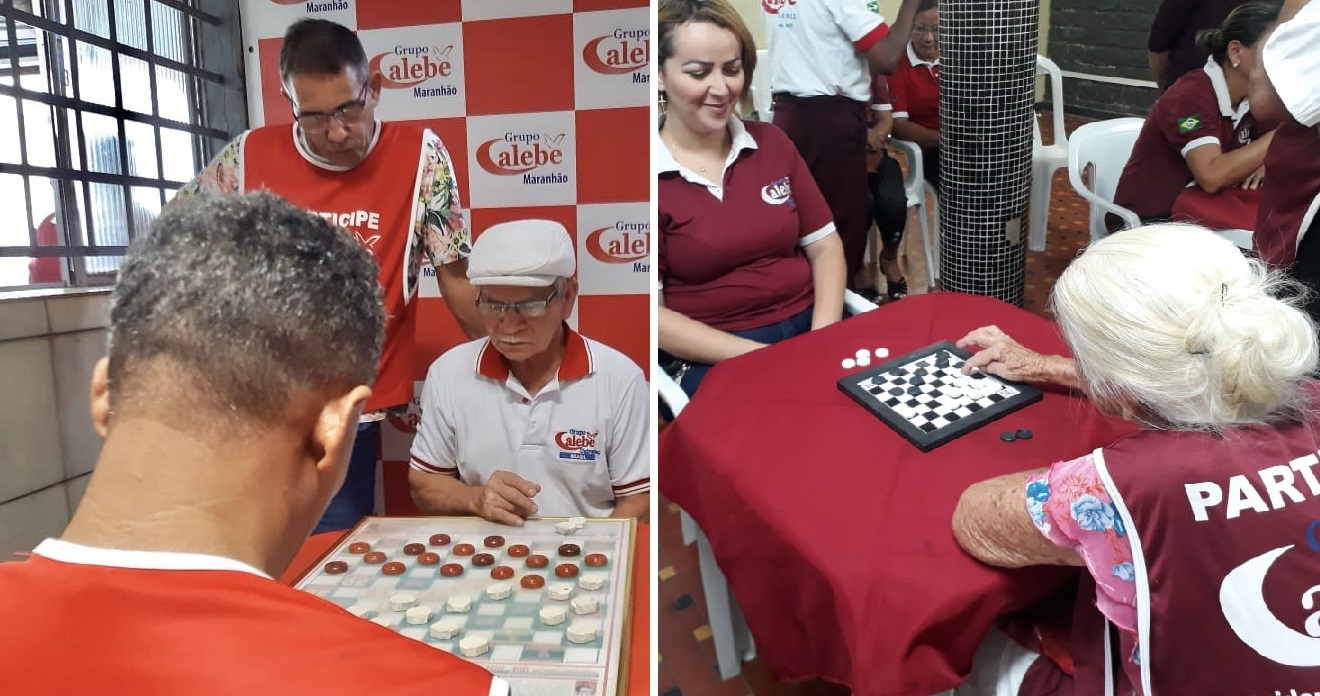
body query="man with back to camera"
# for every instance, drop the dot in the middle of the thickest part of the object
(228, 404)
(535, 420)
(391, 184)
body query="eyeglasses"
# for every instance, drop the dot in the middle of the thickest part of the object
(347, 114)
(527, 309)
(922, 29)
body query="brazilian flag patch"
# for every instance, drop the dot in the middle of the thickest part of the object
(1187, 124)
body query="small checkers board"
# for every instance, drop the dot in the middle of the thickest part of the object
(386, 566)
(925, 398)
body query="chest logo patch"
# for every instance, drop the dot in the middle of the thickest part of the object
(777, 192)
(578, 445)
(1187, 124)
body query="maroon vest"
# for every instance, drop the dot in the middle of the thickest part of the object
(1226, 551)
(1293, 166)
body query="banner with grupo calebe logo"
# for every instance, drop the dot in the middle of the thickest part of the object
(544, 108)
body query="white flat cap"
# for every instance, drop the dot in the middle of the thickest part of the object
(530, 253)
(1292, 60)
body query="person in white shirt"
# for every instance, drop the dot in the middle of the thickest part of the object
(822, 55)
(535, 420)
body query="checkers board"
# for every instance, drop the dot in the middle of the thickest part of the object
(924, 397)
(536, 659)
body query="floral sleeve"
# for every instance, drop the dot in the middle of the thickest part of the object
(1071, 507)
(438, 216)
(220, 176)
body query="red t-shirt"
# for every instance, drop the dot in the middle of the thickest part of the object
(75, 628)
(1195, 111)
(373, 202)
(731, 256)
(914, 90)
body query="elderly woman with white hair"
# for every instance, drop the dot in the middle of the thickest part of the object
(1199, 534)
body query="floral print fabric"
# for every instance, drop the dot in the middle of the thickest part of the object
(1070, 506)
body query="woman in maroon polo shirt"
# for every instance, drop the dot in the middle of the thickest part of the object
(748, 254)
(1201, 131)
(1198, 532)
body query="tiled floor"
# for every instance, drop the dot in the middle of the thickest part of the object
(686, 653)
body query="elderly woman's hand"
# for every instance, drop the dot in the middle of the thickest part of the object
(1000, 355)
(1003, 357)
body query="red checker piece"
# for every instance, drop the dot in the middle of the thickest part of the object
(336, 568)
(451, 570)
(566, 570)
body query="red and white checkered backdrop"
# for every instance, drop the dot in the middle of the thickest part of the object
(543, 105)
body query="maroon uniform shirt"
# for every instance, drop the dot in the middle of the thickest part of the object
(731, 247)
(1288, 196)
(1195, 111)
(1226, 554)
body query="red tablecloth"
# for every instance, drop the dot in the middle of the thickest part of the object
(639, 653)
(833, 531)
(1232, 208)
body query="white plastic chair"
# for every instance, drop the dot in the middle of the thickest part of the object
(1045, 159)
(762, 98)
(728, 628)
(1104, 147)
(914, 181)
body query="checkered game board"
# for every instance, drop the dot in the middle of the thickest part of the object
(925, 397)
(536, 658)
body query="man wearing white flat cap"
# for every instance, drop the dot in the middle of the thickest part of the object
(534, 420)
(1283, 89)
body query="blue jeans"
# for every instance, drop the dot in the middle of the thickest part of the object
(795, 325)
(357, 498)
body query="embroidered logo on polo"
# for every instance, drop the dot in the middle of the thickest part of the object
(773, 6)
(1187, 124)
(577, 444)
(777, 192)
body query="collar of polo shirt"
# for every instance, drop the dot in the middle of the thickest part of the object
(666, 164)
(576, 363)
(1220, 86)
(916, 60)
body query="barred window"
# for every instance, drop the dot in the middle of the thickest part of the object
(106, 108)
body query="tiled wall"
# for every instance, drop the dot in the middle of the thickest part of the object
(47, 447)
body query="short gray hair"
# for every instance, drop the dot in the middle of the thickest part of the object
(1176, 323)
(251, 301)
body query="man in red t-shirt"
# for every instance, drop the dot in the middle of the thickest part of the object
(390, 184)
(229, 403)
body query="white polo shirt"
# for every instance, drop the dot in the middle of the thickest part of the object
(816, 47)
(584, 438)
(1291, 59)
